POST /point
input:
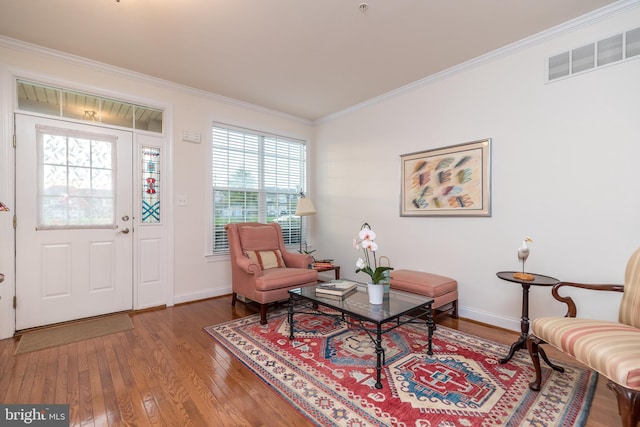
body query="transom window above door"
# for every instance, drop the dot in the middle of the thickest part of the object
(59, 102)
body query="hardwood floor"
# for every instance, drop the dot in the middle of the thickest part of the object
(168, 372)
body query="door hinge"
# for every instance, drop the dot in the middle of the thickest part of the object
(14, 140)
(15, 221)
(15, 301)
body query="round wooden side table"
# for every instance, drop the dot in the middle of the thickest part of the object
(521, 342)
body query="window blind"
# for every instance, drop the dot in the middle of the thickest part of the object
(256, 177)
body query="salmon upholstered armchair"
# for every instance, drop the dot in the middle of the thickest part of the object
(261, 267)
(610, 348)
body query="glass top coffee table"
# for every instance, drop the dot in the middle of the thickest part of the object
(398, 308)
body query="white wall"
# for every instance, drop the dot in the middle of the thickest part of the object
(564, 171)
(195, 278)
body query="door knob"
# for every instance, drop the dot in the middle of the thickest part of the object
(123, 231)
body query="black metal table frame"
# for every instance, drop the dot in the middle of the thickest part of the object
(416, 311)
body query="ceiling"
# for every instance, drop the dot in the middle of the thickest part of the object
(306, 58)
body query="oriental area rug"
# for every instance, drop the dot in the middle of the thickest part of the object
(327, 372)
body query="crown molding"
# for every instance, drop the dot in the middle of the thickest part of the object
(572, 25)
(19, 45)
(566, 27)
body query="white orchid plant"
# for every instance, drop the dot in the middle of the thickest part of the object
(369, 264)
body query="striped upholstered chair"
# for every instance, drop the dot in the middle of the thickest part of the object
(610, 348)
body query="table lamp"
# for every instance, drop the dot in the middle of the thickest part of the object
(305, 207)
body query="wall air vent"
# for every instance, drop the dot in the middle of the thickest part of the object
(633, 43)
(607, 51)
(610, 50)
(582, 59)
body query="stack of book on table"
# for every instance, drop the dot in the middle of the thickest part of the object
(336, 289)
(323, 263)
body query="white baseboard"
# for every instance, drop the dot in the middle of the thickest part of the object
(490, 318)
(179, 299)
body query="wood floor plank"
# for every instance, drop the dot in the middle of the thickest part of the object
(7, 348)
(109, 393)
(73, 391)
(85, 395)
(196, 384)
(171, 383)
(168, 372)
(180, 367)
(158, 403)
(27, 380)
(95, 382)
(39, 376)
(129, 402)
(13, 376)
(49, 386)
(62, 379)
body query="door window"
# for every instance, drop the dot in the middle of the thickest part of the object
(76, 179)
(150, 185)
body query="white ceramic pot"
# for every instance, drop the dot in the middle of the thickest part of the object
(376, 293)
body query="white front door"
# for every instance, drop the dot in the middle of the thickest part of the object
(74, 234)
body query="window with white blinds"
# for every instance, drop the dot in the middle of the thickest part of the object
(256, 177)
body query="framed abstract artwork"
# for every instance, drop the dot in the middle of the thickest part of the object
(448, 181)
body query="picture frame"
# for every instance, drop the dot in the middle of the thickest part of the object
(447, 181)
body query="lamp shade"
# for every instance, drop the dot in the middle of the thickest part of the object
(305, 207)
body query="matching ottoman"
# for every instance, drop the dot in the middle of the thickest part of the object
(443, 290)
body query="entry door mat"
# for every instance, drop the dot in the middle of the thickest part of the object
(73, 332)
(328, 373)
